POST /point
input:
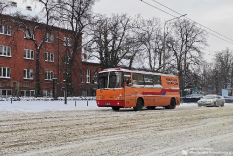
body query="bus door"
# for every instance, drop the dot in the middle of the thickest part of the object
(129, 96)
(166, 96)
(157, 90)
(148, 91)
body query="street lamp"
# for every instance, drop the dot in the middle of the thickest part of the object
(164, 37)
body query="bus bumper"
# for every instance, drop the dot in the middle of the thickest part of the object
(110, 103)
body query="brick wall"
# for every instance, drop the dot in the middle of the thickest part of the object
(18, 63)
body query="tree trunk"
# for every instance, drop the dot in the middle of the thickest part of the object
(37, 87)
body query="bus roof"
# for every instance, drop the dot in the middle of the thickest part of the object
(134, 71)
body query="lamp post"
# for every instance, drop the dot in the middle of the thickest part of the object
(164, 37)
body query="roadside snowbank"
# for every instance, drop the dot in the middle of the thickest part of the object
(40, 106)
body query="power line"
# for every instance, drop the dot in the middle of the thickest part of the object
(157, 8)
(192, 20)
(189, 19)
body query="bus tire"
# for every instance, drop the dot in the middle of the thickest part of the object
(172, 104)
(115, 108)
(139, 105)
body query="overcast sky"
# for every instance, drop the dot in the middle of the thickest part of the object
(213, 14)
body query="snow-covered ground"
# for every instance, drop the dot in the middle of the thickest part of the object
(38, 128)
(38, 106)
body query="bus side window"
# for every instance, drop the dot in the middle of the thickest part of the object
(138, 80)
(134, 75)
(148, 79)
(127, 79)
(157, 80)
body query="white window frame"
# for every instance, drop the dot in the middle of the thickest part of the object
(95, 76)
(6, 93)
(66, 59)
(88, 76)
(28, 74)
(5, 51)
(47, 93)
(26, 34)
(67, 41)
(28, 54)
(49, 38)
(49, 57)
(49, 75)
(7, 72)
(31, 92)
(8, 29)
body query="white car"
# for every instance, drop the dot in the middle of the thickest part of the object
(211, 100)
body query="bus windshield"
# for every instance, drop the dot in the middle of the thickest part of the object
(110, 80)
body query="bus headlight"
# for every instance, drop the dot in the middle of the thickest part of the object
(97, 98)
(117, 98)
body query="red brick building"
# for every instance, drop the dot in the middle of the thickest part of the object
(18, 64)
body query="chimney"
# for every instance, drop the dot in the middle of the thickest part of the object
(14, 4)
(29, 8)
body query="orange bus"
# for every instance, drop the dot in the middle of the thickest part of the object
(122, 88)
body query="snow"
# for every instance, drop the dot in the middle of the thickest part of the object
(20, 11)
(40, 106)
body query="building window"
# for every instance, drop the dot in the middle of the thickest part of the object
(49, 38)
(28, 34)
(5, 72)
(5, 93)
(27, 93)
(47, 93)
(88, 76)
(5, 29)
(49, 75)
(5, 51)
(49, 57)
(67, 41)
(67, 59)
(29, 54)
(95, 76)
(28, 74)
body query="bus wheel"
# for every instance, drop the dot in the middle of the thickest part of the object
(138, 105)
(115, 108)
(172, 104)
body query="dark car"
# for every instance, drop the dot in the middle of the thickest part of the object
(192, 98)
(228, 99)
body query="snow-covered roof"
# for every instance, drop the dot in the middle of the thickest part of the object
(13, 10)
(136, 71)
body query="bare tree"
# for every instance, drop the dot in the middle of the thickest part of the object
(149, 33)
(113, 40)
(223, 71)
(75, 16)
(185, 45)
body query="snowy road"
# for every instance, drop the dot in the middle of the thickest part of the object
(187, 130)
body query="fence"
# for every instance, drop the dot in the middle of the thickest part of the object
(81, 98)
(50, 89)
